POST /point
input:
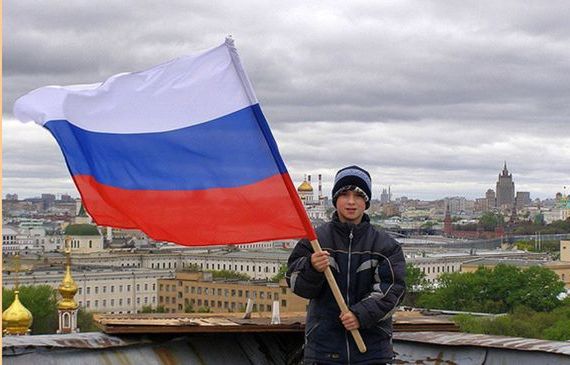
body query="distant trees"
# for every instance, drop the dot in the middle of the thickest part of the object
(416, 283)
(523, 322)
(556, 227)
(229, 274)
(41, 301)
(280, 274)
(496, 291)
(150, 309)
(490, 220)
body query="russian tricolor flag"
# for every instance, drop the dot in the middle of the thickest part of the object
(181, 151)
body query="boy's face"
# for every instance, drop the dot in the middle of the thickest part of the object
(350, 206)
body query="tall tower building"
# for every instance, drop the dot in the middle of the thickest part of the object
(505, 190)
(67, 307)
(491, 199)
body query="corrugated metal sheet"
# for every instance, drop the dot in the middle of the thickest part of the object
(487, 341)
(91, 349)
(270, 348)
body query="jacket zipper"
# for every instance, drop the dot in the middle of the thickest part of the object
(350, 237)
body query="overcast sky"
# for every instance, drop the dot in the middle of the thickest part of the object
(430, 97)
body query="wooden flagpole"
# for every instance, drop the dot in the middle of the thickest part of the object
(339, 298)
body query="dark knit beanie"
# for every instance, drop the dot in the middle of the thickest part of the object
(349, 178)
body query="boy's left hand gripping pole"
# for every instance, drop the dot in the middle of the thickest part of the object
(339, 299)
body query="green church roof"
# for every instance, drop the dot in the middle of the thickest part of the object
(81, 230)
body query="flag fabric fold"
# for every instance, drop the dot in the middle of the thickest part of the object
(181, 151)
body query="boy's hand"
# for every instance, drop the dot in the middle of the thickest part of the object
(320, 260)
(349, 321)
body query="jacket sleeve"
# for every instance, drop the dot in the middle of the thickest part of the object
(301, 276)
(387, 292)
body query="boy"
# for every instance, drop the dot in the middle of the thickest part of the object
(369, 268)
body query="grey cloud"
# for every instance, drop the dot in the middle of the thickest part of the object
(428, 94)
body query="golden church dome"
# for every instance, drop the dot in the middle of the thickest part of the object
(68, 287)
(17, 319)
(305, 186)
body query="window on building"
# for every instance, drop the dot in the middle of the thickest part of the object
(219, 292)
(138, 300)
(145, 300)
(199, 290)
(261, 295)
(104, 303)
(88, 304)
(120, 302)
(112, 302)
(283, 303)
(96, 303)
(128, 288)
(138, 287)
(167, 300)
(112, 288)
(283, 290)
(80, 291)
(128, 301)
(96, 290)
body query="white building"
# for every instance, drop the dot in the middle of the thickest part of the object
(263, 264)
(101, 290)
(84, 238)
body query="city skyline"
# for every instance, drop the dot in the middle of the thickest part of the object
(430, 98)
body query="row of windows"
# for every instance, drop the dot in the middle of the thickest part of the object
(157, 266)
(429, 270)
(224, 292)
(112, 288)
(118, 301)
(221, 305)
(233, 267)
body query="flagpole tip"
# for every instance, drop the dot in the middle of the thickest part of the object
(230, 41)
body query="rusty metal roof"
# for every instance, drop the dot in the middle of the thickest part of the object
(233, 322)
(196, 323)
(488, 341)
(269, 348)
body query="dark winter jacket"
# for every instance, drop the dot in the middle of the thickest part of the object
(369, 267)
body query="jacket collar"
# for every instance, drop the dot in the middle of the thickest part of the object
(347, 227)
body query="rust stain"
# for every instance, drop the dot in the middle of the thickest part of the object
(165, 356)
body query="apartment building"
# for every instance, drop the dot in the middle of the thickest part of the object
(198, 290)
